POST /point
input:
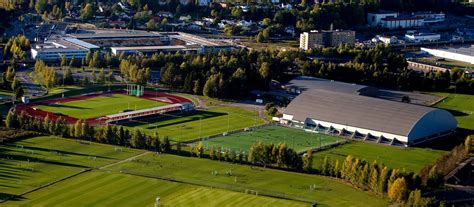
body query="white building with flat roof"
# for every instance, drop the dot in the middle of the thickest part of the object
(422, 37)
(55, 49)
(464, 53)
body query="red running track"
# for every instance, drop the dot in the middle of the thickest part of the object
(29, 108)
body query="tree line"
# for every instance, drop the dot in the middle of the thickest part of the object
(404, 188)
(109, 134)
(16, 48)
(232, 74)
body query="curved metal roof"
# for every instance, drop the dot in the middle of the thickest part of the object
(360, 111)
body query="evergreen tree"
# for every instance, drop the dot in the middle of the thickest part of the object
(165, 144)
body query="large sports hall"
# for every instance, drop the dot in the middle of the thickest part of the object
(357, 112)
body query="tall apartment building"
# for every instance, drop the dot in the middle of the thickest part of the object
(326, 38)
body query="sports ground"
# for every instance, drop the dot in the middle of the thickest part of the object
(93, 107)
(30, 163)
(101, 188)
(461, 106)
(411, 159)
(100, 106)
(328, 192)
(34, 162)
(201, 123)
(296, 139)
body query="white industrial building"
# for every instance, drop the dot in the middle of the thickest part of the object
(125, 41)
(463, 53)
(55, 49)
(350, 110)
(394, 20)
(430, 17)
(375, 19)
(422, 37)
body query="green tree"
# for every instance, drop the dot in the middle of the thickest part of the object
(212, 153)
(138, 140)
(337, 169)
(15, 84)
(264, 70)
(165, 144)
(63, 61)
(197, 89)
(151, 24)
(383, 180)
(10, 74)
(87, 12)
(435, 178)
(10, 121)
(78, 133)
(40, 6)
(308, 161)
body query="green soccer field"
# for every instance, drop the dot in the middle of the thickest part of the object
(328, 192)
(461, 106)
(411, 159)
(201, 123)
(100, 106)
(29, 163)
(114, 189)
(296, 139)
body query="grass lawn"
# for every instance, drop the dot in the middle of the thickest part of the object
(100, 106)
(328, 192)
(446, 62)
(461, 106)
(6, 93)
(410, 159)
(201, 123)
(29, 163)
(296, 139)
(63, 89)
(114, 189)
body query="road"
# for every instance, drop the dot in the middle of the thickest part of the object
(28, 84)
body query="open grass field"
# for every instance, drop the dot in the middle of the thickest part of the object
(201, 123)
(445, 63)
(296, 139)
(328, 192)
(100, 106)
(29, 163)
(411, 159)
(114, 189)
(461, 106)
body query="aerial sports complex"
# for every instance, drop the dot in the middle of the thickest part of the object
(358, 112)
(109, 107)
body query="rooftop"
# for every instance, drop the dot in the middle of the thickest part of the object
(304, 83)
(460, 49)
(358, 111)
